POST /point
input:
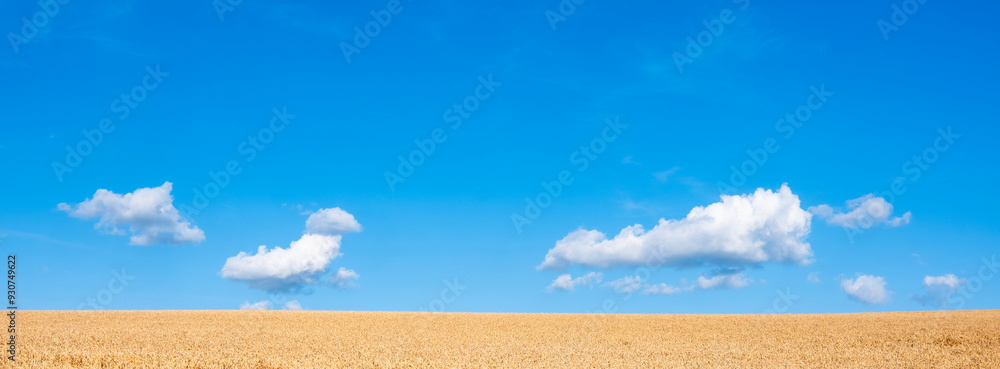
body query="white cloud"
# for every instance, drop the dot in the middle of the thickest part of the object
(565, 282)
(344, 278)
(626, 284)
(293, 305)
(332, 221)
(867, 289)
(262, 305)
(283, 269)
(661, 289)
(939, 288)
(732, 281)
(813, 277)
(864, 212)
(949, 281)
(148, 214)
(766, 226)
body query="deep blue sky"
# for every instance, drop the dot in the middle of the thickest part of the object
(554, 90)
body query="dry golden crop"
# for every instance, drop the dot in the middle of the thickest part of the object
(298, 339)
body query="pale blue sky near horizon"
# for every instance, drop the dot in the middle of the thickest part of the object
(198, 85)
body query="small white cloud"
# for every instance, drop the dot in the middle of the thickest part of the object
(285, 269)
(813, 277)
(863, 212)
(148, 214)
(292, 305)
(950, 281)
(939, 288)
(565, 282)
(766, 226)
(345, 278)
(867, 289)
(626, 284)
(661, 289)
(731, 281)
(332, 221)
(262, 305)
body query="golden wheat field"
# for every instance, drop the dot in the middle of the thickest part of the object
(299, 339)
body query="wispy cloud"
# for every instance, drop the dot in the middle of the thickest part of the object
(663, 176)
(566, 282)
(813, 277)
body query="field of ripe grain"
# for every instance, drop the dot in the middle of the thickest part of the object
(302, 339)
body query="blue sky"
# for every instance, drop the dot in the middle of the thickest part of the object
(611, 99)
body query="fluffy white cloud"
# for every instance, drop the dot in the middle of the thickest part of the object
(661, 289)
(867, 289)
(344, 278)
(332, 221)
(283, 269)
(293, 305)
(626, 284)
(766, 226)
(262, 305)
(864, 212)
(148, 214)
(732, 281)
(939, 288)
(566, 282)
